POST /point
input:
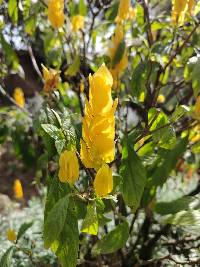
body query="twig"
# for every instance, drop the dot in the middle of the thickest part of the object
(147, 18)
(35, 65)
(170, 258)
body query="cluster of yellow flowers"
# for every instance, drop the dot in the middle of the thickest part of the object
(56, 13)
(98, 132)
(19, 97)
(179, 10)
(125, 12)
(77, 23)
(51, 79)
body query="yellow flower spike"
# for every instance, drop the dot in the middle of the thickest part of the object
(51, 79)
(161, 99)
(56, 13)
(179, 10)
(11, 235)
(69, 167)
(103, 183)
(19, 97)
(98, 124)
(18, 190)
(197, 108)
(125, 11)
(77, 23)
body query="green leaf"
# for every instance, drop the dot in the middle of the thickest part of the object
(7, 257)
(134, 177)
(55, 221)
(113, 241)
(13, 10)
(184, 218)
(196, 78)
(52, 130)
(174, 206)
(162, 133)
(119, 53)
(11, 56)
(66, 247)
(23, 228)
(30, 25)
(26, 7)
(168, 163)
(60, 144)
(179, 112)
(82, 8)
(138, 76)
(90, 223)
(74, 67)
(111, 13)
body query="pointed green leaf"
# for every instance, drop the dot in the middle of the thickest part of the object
(66, 247)
(134, 177)
(13, 10)
(55, 221)
(6, 258)
(184, 218)
(113, 241)
(23, 228)
(174, 206)
(90, 223)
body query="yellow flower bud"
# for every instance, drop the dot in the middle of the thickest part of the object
(19, 97)
(103, 183)
(18, 190)
(77, 23)
(69, 167)
(11, 235)
(51, 79)
(161, 99)
(56, 13)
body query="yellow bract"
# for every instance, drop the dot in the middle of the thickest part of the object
(77, 23)
(18, 190)
(98, 129)
(69, 167)
(125, 11)
(179, 10)
(103, 183)
(51, 79)
(11, 235)
(19, 97)
(56, 13)
(118, 69)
